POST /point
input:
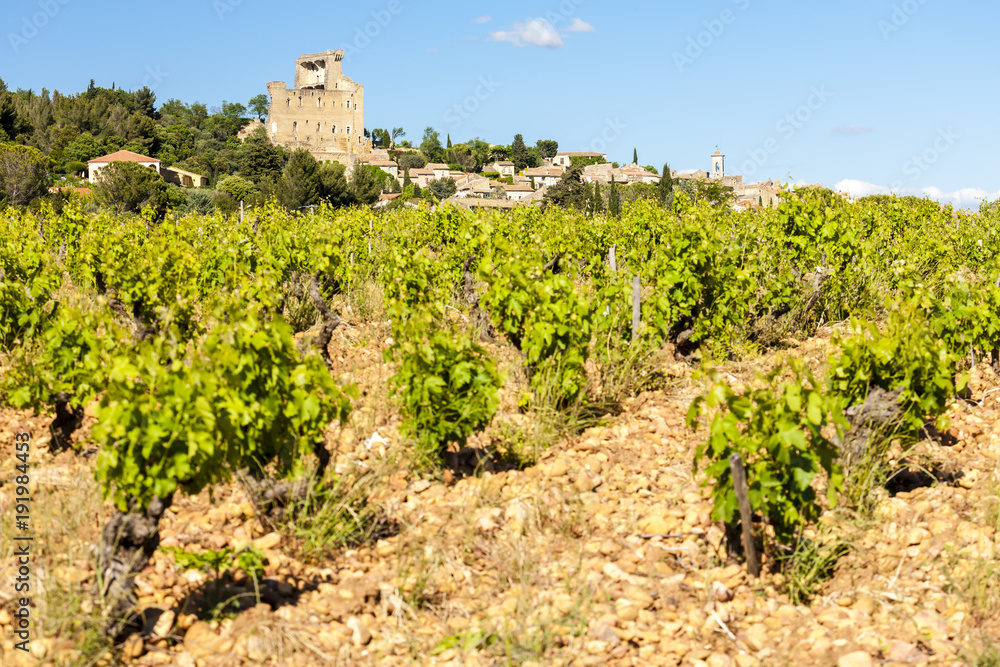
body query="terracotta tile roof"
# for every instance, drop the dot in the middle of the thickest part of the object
(544, 171)
(436, 166)
(519, 187)
(123, 156)
(582, 154)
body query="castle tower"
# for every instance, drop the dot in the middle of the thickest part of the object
(718, 165)
(324, 113)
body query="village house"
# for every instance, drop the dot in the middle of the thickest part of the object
(95, 166)
(602, 173)
(388, 166)
(544, 175)
(440, 170)
(518, 191)
(421, 176)
(565, 160)
(633, 173)
(505, 168)
(185, 179)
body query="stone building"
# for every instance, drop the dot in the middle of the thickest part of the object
(324, 111)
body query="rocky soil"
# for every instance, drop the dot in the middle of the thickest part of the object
(601, 553)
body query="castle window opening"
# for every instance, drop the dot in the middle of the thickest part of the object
(288, 102)
(348, 129)
(334, 131)
(317, 127)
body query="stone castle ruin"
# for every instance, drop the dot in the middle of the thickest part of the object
(323, 113)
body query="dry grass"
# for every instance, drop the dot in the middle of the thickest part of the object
(66, 518)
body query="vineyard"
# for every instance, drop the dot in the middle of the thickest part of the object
(420, 436)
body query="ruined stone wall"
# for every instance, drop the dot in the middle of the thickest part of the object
(326, 116)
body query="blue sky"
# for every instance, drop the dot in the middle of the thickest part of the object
(863, 96)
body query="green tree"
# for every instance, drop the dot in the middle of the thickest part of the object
(259, 105)
(409, 160)
(258, 159)
(713, 192)
(198, 201)
(11, 123)
(666, 187)
(570, 191)
(8, 115)
(83, 148)
(406, 178)
(128, 187)
(431, 146)
(144, 102)
(300, 184)
(614, 201)
(442, 188)
(239, 188)
(381, 138)
(547, 147)
(635, 156)
(595, 205)
(333, 184)
(519, 153)
(367, 183)
(23, 174)
(396, 133)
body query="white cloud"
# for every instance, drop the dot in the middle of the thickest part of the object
(533, 32)
(860, 188)
(579, 25)
(483, 19)
(961, 198)
(851, 129)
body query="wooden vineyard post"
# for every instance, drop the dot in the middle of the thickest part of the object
(636, 307)
(746, 516)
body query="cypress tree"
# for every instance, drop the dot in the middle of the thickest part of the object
(614, 203)
(635, 156)
(666, 187)
(519, 153)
